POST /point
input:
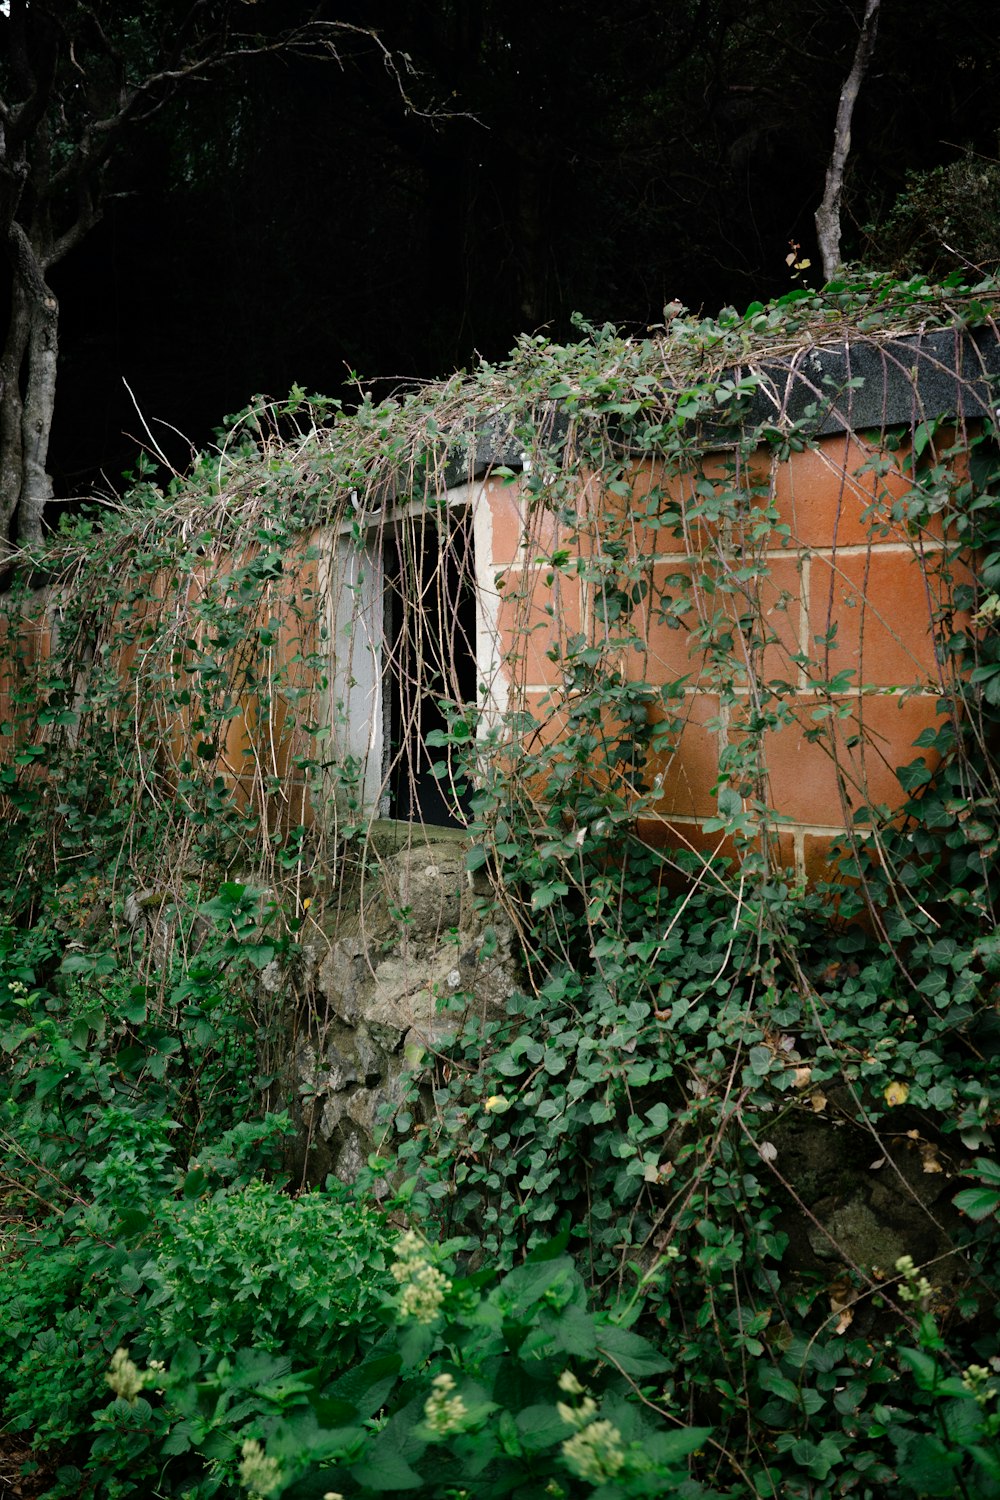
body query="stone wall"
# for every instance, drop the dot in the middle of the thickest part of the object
(411, 954)
(417, 950)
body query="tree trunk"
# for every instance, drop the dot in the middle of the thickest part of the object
(828, 213)
(27, 398)
(11, 411)
(36, 419)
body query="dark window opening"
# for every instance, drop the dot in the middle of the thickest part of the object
(431, 656)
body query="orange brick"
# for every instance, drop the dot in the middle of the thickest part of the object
(690, 771)
(665, 513)
(766, 611)
(539, 613)
(665, 833)
(818, 858)
(826, 502)
(854, 762)
(719, 518)
(782, 849)
(761, 615)
(570, 516)
(653, 522)
(507, 521)
(667, 622)
(880, 605)
(801, 777)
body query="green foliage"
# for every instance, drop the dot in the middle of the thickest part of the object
(942, 212)
(955, 1449)
(131, 1140)
(474, 1385)
(645, 1092)
(297, 1276)
(705, 1056)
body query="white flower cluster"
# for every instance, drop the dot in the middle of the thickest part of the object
(444, 1412)
(124, 1377)
(424, 1287)
(578, 1416)
(595, 1452)
(916, 1288)
(980, 1383)
(261, 1475)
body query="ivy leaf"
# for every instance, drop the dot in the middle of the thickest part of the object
(761, 1061)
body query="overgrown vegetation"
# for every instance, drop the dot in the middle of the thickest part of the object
(619, 1247)
(953, 205)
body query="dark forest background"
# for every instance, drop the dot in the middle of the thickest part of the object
(292, 220)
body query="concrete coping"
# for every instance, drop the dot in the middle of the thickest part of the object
(872, 381)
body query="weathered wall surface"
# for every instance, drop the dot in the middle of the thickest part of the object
(802, 576)
(836, 586)
(411, 955)
(832, 598)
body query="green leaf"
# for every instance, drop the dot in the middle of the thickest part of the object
(186, 1361)
(629, 1351)
(544, 895)
(359, 1384)
(134, 1008)
(979, 1203)
(985, 1169)
(672, 1447)
(385, 1466)
(929, 1467)
(817, 1458)
(259, 954)
(133, 1221)
(730, 802)
(386, 1471)
(553, 1248)
(924, 1367)
(195, 1183)
(779, 1385)
(529, 1283)
(539, 1427)
(761, 1061)
(570, 1332)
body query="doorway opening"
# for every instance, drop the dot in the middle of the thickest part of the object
(430, 639)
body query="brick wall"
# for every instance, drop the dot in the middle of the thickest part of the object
(843, 582)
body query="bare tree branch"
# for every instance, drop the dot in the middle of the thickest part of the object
(74, 88)
(828, 213)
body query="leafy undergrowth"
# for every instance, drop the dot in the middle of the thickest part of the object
(665, 1340)
(710, 1209)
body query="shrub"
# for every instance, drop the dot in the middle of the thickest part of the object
(301, 1277)
(513, 1389)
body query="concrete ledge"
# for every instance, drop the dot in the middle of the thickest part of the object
(915, 378)
(905, 380)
